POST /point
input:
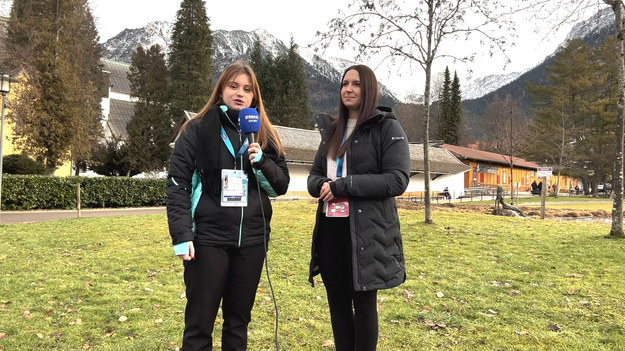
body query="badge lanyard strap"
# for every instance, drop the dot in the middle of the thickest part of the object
(339, 161)
(226, 140)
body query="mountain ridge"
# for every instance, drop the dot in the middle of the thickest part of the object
(323, 74)
(592, 31)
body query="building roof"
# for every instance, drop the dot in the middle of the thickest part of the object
(442, 161)
(300, 147)
(465, 153)
(119, 117)
(118, 75)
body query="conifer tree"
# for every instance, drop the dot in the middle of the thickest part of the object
(54, 45)
(444, 115)
(455, 112)
(291, 104)
(149, 130)
(263, 65)
(573, 125)
(284, 86)
(190, 62)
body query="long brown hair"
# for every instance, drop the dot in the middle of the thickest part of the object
(369, 94)
(266, 133)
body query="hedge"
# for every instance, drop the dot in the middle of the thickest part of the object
(30, 192)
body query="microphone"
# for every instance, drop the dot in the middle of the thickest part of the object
(249, 122)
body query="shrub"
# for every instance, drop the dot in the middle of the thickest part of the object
(21, 164)
(27, 192)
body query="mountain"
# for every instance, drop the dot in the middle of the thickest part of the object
(592, 31)
(482, 86)
(324, 74)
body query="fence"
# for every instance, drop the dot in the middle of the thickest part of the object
(470, 194)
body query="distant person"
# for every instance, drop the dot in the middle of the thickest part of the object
(362, 163)
(221, 231)
(446, 194)
(576, 189)
(535, 190)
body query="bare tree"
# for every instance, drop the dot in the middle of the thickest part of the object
(508, 124)
(390, 29)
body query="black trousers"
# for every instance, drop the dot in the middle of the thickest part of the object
(226, 275)
(353, 314)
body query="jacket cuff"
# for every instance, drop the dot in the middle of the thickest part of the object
(333, 188)
(182, 248)
(259, 160)
(259, 155)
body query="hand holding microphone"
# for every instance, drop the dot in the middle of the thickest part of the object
(249, 122)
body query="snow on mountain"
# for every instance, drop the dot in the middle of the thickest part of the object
(482, 86)
(602, 19)
(330, 67)
(230, 46)
(121, 46)
(333, 67)
(237, 44)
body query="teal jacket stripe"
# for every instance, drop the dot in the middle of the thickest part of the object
(196, 192)
(264, 183)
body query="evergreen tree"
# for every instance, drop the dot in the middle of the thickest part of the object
(263, 65)
(284, 86)
(444, 115)
(455, 113)
(149, 130)
(572, 116)
(190, 59)
(594, 145)
(54, 45)
(291, 104)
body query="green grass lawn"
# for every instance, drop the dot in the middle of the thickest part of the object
(475, 282)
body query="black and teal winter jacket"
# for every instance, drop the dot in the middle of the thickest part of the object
(194, 211)
(378, 169)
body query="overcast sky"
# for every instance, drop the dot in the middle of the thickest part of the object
(286, 18)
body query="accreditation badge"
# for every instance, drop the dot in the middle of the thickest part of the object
(338, 207)
(233, 188)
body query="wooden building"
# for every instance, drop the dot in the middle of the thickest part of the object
(489, 169)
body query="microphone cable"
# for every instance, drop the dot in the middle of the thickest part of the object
(273, 296)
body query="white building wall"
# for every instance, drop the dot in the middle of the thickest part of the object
(299, 177)
(106, 111)
(454, 183)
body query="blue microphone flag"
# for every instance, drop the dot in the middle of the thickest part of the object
(249, 120)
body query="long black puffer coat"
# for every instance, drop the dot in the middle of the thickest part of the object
(378, 169)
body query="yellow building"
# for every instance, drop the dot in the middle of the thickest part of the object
(8, 147)
(489, 169)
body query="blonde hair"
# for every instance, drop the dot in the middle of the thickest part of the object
(267, 133)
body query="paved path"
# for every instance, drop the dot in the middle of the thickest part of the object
(10, 217)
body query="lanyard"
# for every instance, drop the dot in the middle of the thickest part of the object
(226, 140)
(339, 160)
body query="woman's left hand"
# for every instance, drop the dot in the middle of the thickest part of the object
(326, 192)
(252, 151)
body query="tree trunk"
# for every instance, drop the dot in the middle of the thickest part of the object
(511, 181)
(426, 142)
(617, 179)
(426, 96)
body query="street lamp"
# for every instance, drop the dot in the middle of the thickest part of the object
(5, 88)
